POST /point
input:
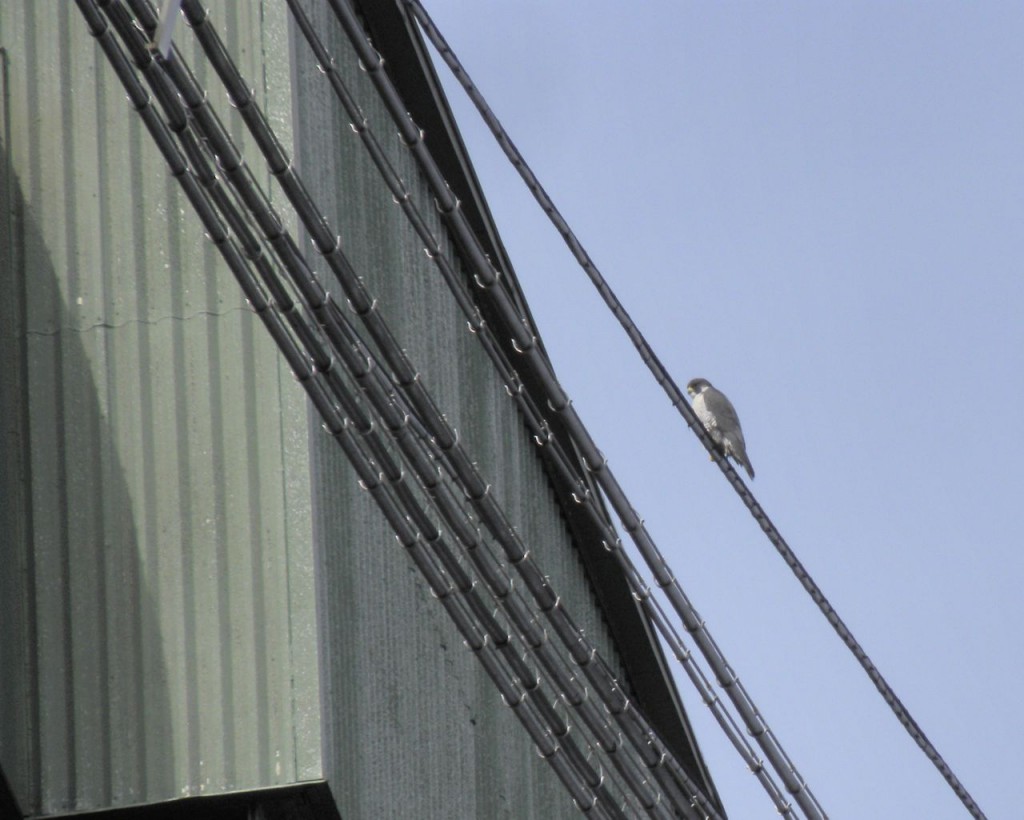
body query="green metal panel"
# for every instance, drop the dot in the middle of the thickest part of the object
(156, 534)
(200, 597)
(417, 729)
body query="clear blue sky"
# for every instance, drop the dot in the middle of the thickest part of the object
(820, 208)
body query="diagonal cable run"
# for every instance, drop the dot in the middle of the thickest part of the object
(545, 727)
(540, 429)
(550, 739)
(663, 378)
(526, 344)
(313, 363)
(406, 378)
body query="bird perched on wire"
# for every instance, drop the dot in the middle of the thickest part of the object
(719, 418)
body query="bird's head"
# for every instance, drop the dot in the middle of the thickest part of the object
(697, 386)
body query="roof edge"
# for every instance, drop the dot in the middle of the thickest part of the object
(396, 35)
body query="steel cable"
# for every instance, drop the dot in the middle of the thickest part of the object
(528, 408)
(513, 692)
(525, 343)
(410, 378)
(407, 379)
(663, 378)
(268, 222)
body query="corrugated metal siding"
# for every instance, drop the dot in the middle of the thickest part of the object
(157, 545)
(164, 542)
(418, 730)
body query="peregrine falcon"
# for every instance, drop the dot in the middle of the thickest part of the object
(719, 418)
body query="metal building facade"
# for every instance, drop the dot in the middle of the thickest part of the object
(157, 540)
(196, 596)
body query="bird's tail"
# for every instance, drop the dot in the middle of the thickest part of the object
(739, 454)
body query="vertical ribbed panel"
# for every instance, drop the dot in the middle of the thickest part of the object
(164, 543)
(155, 518)
(417, 729)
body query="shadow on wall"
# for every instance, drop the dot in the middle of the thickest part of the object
(84, 707)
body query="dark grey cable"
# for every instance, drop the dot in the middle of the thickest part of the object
(525, 343)
(678, 400)
(512, 689)
(527, 407)
(405, 374)
(271, 227)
